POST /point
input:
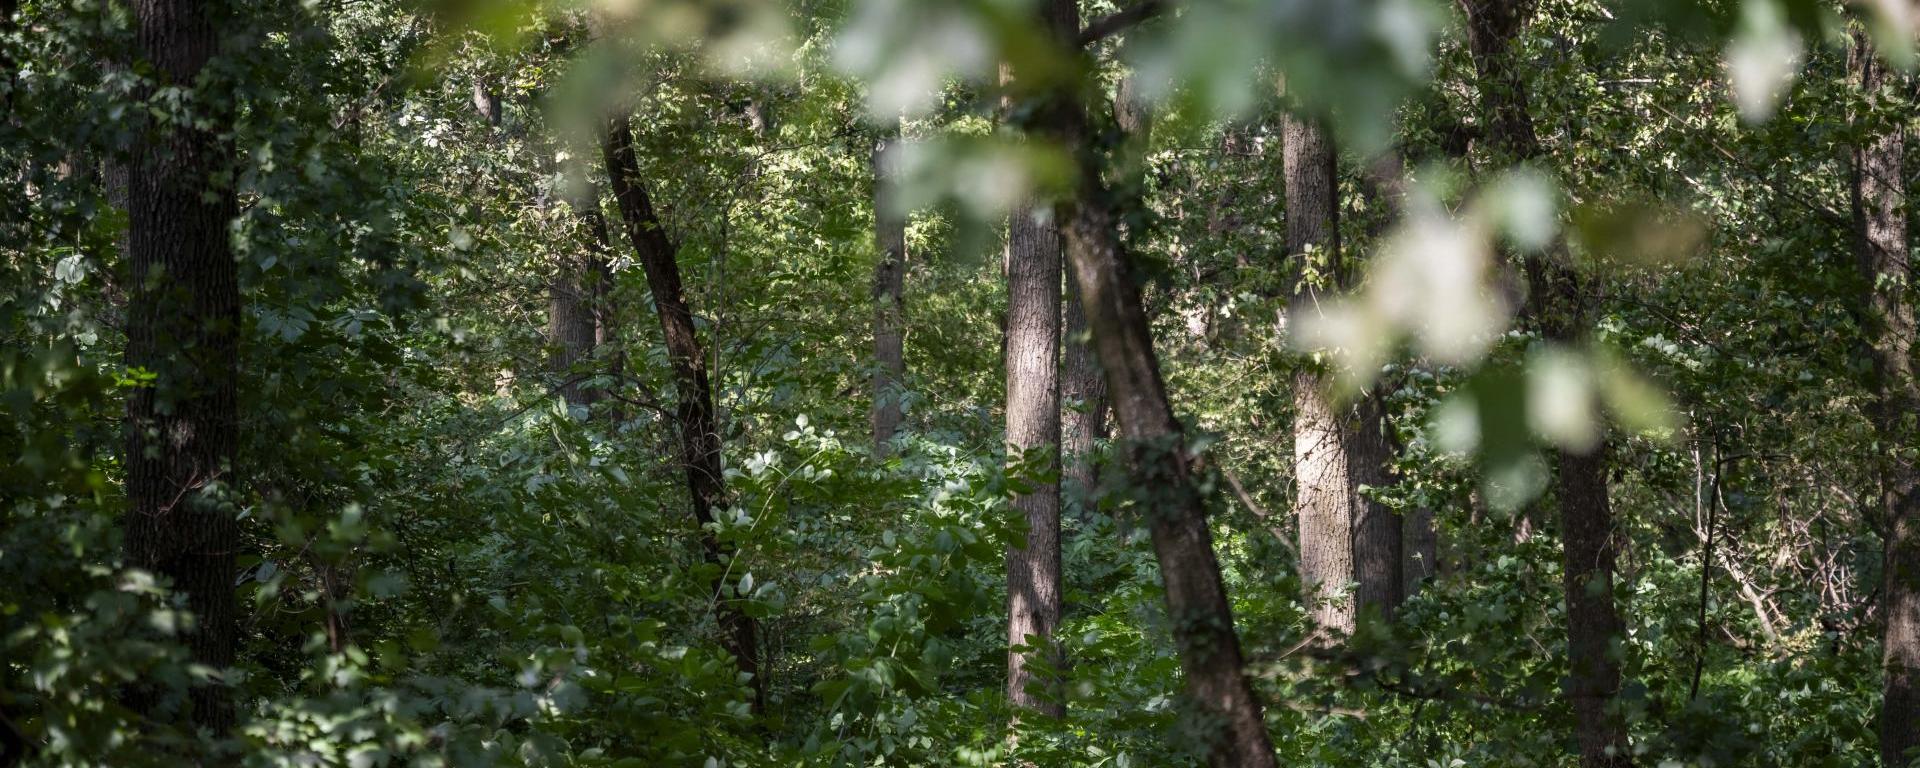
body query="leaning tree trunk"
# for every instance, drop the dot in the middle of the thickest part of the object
(1033, 438)
(1345, 538)
(889, 283)
(183, 325)
(1161, 469)
(1558, 309)
(694, 412)
(1083, 389)
(1881, 249)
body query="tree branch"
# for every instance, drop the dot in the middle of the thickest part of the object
(1121, 21)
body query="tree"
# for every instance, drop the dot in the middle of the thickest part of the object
(580, 312)
(889, 283)
(1345, 538)
(1558, 308)
(693, 411)
(1083, 389)
(1033, 439)
(183, 326)
(1160, 465)
(1881, 251)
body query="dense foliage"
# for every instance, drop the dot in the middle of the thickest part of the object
(454, 551)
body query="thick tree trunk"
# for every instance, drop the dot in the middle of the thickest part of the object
(1161, 472)
(570, 326)
(1881, 248)
(183, 325)
(1083, 414)
(1033, 432)
(889, 285)
(1345, 538)
(1558, 309)
(580, 312)
(1083, 389)
(1377, 562)
(1162, 475)
(699, 431)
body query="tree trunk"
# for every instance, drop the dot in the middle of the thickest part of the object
(1033, 438)
(1171, 505)
(570, 325)
(1083, 390)
(1083, 414)
(580, 312)
(1377, 565)
(1881, 249)
(889, 283)
(183, 325)
(1345, 538)
(1558, 309)
(699, 431)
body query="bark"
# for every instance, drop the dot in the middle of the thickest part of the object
(1033, 432)
(1345, 538)
(486, 102)
(1083, 414)
(1557, 308)
(183, 325)
(694, 411)
(1162, 475)
(889, 285)
(570, 326)
(1083, 390)
(1030, 350)
(580, 311)
(1881, 248)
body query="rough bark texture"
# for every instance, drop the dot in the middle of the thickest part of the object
(183, 325)
(1345, 538)
(570, 325)
(580, 312)
(1882, 250)
(1377, 566)
(1083, 389)
(1033, 438)
(889, 285)
(1557, 308)
(699, 431)
(1083, 400)
(1162, 475)
(1202, 620)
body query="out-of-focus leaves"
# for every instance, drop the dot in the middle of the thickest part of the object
(1638, 232)
(1762, 59)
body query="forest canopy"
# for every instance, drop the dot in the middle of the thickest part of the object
(1116, 383)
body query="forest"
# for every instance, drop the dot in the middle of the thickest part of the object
(1106, 383)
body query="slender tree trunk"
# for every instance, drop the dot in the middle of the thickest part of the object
(183, 325)
(1162, 475)
(1558, 308)
(889, 284)
(1345, 538)
(1882, 250)
(699, 431)
(1033, 438)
